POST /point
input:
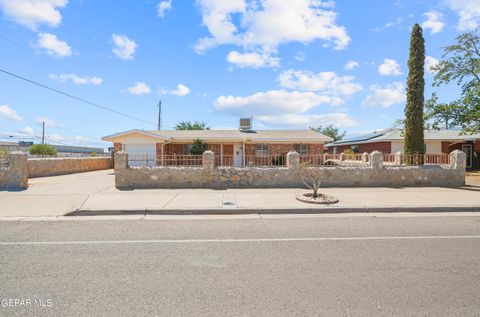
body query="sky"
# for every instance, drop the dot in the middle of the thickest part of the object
(290, 64)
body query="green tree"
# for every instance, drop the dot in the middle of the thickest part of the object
(440, 114)
(198, 147)
(42, 149)
(414, 138)
(330, 131)
(461, 64)
(187, 125)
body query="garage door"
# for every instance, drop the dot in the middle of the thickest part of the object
(141, 154)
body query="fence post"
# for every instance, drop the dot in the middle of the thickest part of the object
(208, 161)
(398, 158)
(18, 170)
(121, 161)
(458, 160)
(293, 160)
(365, 157)
(376, 160)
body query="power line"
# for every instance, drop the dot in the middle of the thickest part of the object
(76, 98)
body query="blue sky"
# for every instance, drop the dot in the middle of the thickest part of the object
(289, 64)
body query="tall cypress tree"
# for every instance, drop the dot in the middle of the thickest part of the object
(414, 138)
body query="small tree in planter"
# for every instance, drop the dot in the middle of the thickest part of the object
(312, 178)
(198, 147)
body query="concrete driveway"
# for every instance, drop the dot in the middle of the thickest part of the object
(56, 195)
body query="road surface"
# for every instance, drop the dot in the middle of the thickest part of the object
(287, 266)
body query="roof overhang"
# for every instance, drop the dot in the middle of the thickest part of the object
(111, 138)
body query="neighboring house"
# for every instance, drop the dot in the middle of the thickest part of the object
(391, 141)
(231, 147)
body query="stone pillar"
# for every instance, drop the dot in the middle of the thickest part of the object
(121, 161)
(293, 160)
(208, 161)
(18, 171)
(365, 157)
(342, 157)
(376, 160)
(398, 158)
(458, 160)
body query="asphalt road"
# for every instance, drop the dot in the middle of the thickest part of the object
(329, 266)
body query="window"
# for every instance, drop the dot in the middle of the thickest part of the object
(301, 149)
(186, 149)
(261, 149)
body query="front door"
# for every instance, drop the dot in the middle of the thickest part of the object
(467, 149)
(227, 155)
(238, 155)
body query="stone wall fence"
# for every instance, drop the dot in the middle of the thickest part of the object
(13, 171)
(40, 167)
(372, 172)
(16, 168)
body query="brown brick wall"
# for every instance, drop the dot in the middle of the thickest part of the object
(274, 149)
(117, 147)
(477, 146)
(215, 148)
(315, 149)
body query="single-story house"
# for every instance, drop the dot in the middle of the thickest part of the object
(391, 141)
(233, 146)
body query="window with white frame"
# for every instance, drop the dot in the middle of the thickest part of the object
(301, 149)
(261, 149)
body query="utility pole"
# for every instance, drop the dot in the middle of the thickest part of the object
(43, 132)
(160, 115)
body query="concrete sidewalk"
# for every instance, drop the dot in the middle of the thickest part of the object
(93, 193)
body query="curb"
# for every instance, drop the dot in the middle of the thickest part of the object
(246, 211)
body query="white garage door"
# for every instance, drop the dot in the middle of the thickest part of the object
(141, 154)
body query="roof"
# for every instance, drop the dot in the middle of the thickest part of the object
(396, 135)
(212, 135)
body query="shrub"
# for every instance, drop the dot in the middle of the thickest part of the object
(93, 154)
(4, 151)
(350, 151)
(198, 147)
(42, 149)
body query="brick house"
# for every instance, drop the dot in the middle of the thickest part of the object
(391, 141)
(231, 147)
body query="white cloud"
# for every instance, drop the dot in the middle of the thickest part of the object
(265, 24)
(48, 122)
(140, 88)
(253, 59)
(53, 45)
(180, 91)
(273, 102)
(434, 22)
(163, 6)
(385, 96)
(337, 119)
(10, 114)
(77, 80)
(27, 131)
(124, 48)
(32, 13)
(468, 12)
(389, 67)
(350, 65)
(431, 62)
(323, 82)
